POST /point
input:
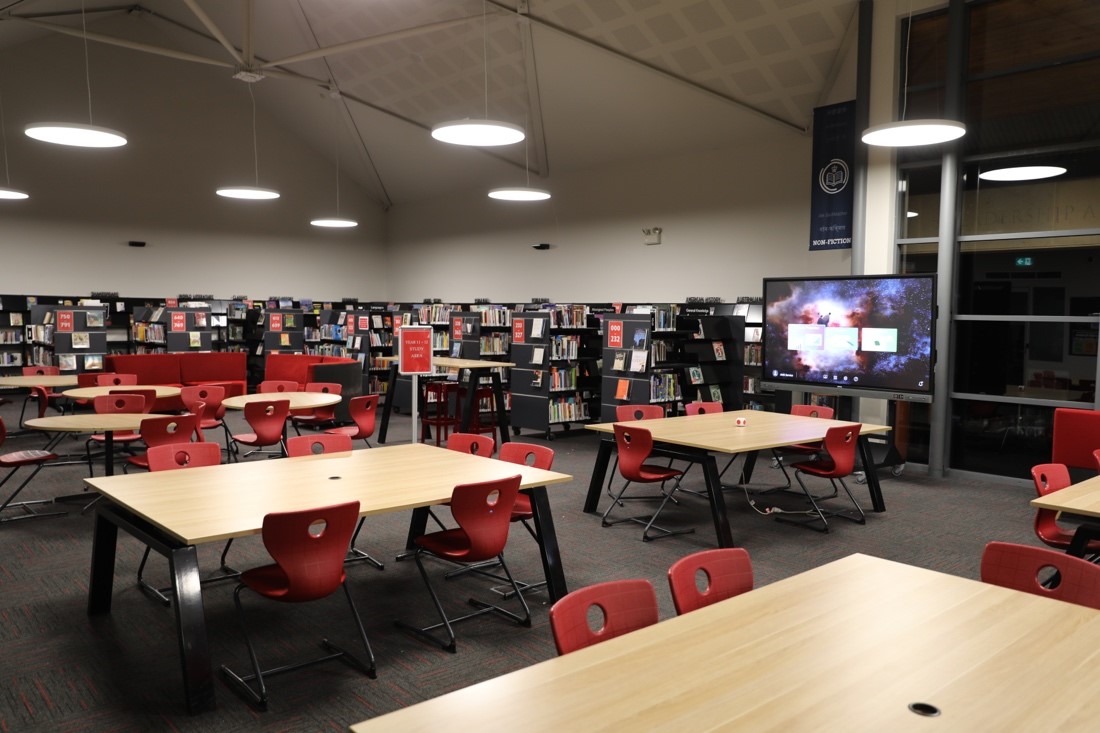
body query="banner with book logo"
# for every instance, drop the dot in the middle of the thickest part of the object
(831, 198)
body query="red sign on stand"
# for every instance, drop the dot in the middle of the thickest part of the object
(179, 322)
(518, 334)
(65, 321)
(614, 334)
(414, 350)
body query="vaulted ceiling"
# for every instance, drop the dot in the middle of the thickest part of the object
(594, 82)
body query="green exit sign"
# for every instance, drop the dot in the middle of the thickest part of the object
(1024, 262)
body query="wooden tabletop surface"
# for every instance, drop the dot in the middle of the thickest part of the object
(298, 400)
(847, 646)
(217, 502)
(90, 422)
(450, 362)
(90, 393)
(717, 431)
(1081, 498)
(40, 380)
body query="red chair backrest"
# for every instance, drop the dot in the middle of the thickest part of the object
(635, 445)
(169, 429)
(727, 572)
(840, 445)
(121, 402)
(328, 411)
(115, 380)
(1048, 478)
(1076, 436)
(627, 605)
(269, 386)
(41, 371)
(627, 413)
(171, 456)
(148, 395)
(476, 445)
(310, 445)
(702, 408)
(266, 418)
(211, 394)
(42, 394)
(821, 411)
(310, 546)
(527, 454)
(483, 511)
(1019, 567)
(364, 411)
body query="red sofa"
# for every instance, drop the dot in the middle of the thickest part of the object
(227, 368)
(304, 368)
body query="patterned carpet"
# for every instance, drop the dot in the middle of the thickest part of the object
(63, 671)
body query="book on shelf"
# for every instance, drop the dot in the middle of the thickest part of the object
(194, 339)
(200, 319)
(93, 363)
(284, 339)
(16, 319)
(537, 327)
(695, 374)
(641, 338)
(715, 393)
(456, 349)
(753, 333)
(620, 361)
(81, 340)
(376, 321)
(719, 350)
(740, 309)
(66, 362)
(289, 320)
(638, 359)
(93, 319)
(538, 354)
(536, 378)
(622, 389)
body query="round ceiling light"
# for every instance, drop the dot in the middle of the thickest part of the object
(335, 222)
(479, 133)
(254, 193)
(519, 193)
(913, 132)
(80, 136)
(12, 194)
(1022, 173)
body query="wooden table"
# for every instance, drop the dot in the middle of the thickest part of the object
(1078, 503)
(93, 422)
(846, 646)
(90, 393)
(298, 401)
(40, 380)
(175, 511)
(697, 438)
(475, 369)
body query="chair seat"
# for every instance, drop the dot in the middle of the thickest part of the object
(269, 581)
(247, 438)
(522, 511)
(352, 430)
(209, 423)
(451, 544)
(819, 467)
(807, 448)
(651, 472)
(25, 458)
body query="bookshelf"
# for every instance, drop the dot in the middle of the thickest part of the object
(13, 342)
(283, 331)
(148, 332)
(714, 372)
(72, 338)
(380, 336)
(189, 329)
(641, 363)
(751, 310)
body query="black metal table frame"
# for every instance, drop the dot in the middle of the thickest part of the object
(473, 378)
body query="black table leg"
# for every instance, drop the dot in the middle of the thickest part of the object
(387, 406)
(871, 473)
(548, 543)
(101, 582)
(198, 673)
(599, 471)
(502, 408)
(717, 500)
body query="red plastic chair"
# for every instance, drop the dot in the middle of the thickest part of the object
(538, 456)
(475, 445)
(439, 398)
(319, 416)
(308, 548)
(47, 397)
(1076, 434)
(703, 408)
(834, 462)
(1029, 569)
(267, 418)
(271, 386)
(1048, 478)
(801, 449)
(213, 416)
(725, 572)
(314, 445)
(635, 445)
(483, 512)
(14, 461)
(629, 413)
(626, 605)
(162, 431)
(171, 457)
(115, 380)
(122, 402)
(364, 411)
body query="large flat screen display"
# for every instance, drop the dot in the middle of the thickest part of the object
(862, 335)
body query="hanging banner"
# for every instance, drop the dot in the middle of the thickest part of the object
(831, 198)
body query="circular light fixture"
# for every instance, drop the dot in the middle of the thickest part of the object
(12, 194)
(75, 135)
(335, 222)
(911, 215)
(254, 193)
(1022, 173)
(479, 133)
(913, 132)
(519, 193)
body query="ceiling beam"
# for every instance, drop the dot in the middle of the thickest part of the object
(213, 29)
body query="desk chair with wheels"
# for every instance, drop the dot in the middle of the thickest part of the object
(323, 444)
(267, 418)
(483, 511)
(14, 461)
(171, 457)
(318, 416)
(1025, 568)
(308, 548)
(835, 462)
(363, 411)
(726, 572)
(635, 446)
(625, 606)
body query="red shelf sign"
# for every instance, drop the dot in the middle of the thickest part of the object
(65, 321)
(614, 334)
(275, 322)
(179, 321)
(518, 332)
(414, 350)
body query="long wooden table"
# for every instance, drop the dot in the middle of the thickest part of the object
(846, 646)
(175, 511)
(697, 438)
(1079, 503)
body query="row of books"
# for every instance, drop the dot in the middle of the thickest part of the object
(664, 387)
(633, 360)
(568, 316)
(41, 334)
(320, 349)
(151, 333)
(434, 313)
(572, 408)
(564, 347)
(11, 358)
(11, 337)
(494, 344)
(563, 378)
(494, 315)
(753, 354)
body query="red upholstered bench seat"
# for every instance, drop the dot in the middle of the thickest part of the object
(228, 369)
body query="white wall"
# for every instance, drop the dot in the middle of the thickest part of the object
(730, 217)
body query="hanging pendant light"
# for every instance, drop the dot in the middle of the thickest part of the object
(336, 222)
(1022, 173)
(6, 191)
(256, 192)
(484, 132)
(75, 134)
